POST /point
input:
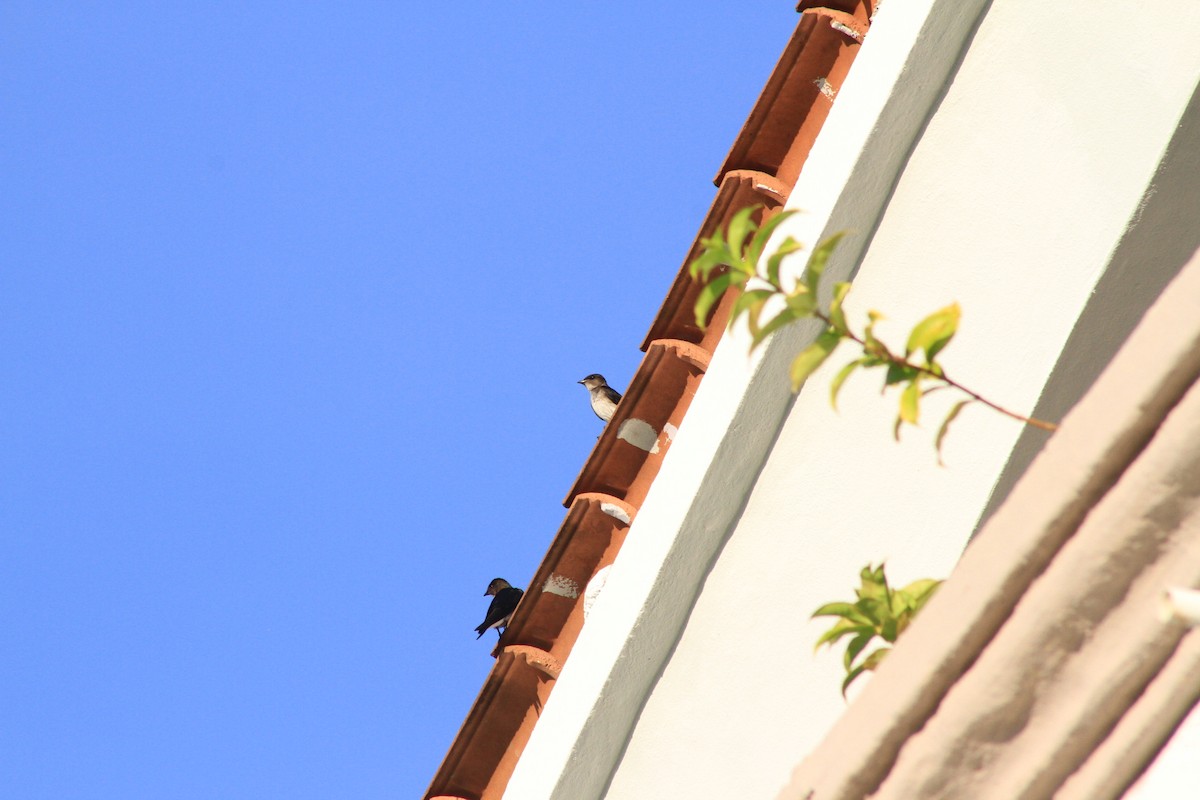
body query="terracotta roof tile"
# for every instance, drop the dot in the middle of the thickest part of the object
(738, 189)
(792, 108)
(551, 614)
(761, 167)
(644, 424)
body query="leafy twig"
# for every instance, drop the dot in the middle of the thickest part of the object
(731, 262)
(878, 612)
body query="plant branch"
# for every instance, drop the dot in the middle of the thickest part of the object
(884, 353)
(731, 263)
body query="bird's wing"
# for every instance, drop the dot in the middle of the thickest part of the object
(611, 393)
(497, 610)
(493, 612)
(511, 597)
(500, 608)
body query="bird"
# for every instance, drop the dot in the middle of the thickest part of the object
(504, 601)
(604, 397)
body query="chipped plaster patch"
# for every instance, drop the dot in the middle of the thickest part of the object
(640, 434)
(594, 587)
(561, 586)
(842, 27)
(670, 430)
(615, 511)
(825, 87)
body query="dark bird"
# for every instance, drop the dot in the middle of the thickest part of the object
(604, 397)
(504, 601)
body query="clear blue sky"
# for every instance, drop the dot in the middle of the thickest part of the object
(293, 302)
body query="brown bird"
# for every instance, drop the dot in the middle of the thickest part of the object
(604, 397)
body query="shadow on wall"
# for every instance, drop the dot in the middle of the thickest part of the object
(1161, 238)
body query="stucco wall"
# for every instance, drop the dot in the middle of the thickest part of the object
(1013, 202)
(1046, 667)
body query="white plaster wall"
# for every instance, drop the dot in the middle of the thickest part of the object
(1015, 197)
(726, 435)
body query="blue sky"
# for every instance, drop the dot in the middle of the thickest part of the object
(293, 302)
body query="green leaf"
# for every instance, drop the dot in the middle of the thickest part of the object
(855, 647)
(801, 301)
(836, 315)
(872, 661)
(788, 247)
(836, 385)
(740, 226)
(709, 296)
(818, 260)
(874, 579)
(889, 629)
(918, 593)
(753, 301)
(871, 344)
(945, 427)
(934, 332)
(834, 610)
(851, 676)
(759, 242)
(843, 628)
(910, 402)
(702, 265)
(812, 357)
(783, 318)
(876, 658)
(715, 254)
(874, 609)
(898, 373)
(847, 611)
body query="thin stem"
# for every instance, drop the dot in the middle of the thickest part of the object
(889, 356)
